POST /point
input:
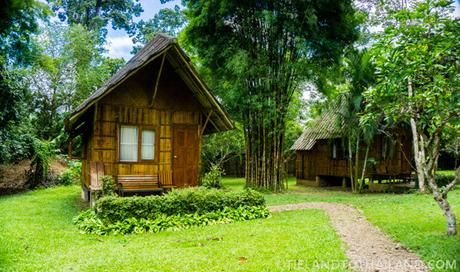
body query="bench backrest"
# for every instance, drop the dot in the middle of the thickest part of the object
(128, 178)
(139, 180)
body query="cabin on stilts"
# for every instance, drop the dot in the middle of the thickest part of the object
(144, 126)
(322, 156)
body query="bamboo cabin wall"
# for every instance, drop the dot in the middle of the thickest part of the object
(319, 162)
(130, 103)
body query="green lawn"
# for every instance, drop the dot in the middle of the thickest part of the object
(413, 219)
(37, 234)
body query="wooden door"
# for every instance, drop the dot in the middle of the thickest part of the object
(185, 156)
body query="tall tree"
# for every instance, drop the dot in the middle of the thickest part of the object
(168, 20)
(67, 69)
(95, 15)
(258, 53)
(18, 21)
(360, 75)
(418, 68)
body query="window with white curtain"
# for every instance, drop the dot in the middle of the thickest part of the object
(148, 144)
(128, 143)
(334, 150)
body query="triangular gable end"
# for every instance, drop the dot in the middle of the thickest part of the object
(162, 46)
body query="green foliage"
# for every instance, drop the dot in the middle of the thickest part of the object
(15, 143)
(68, 68)
(185, 201)
(421, 47)
(43, 152)
(176, 210)
(213, 178)
(88, 221)
(168, 20)
(15, 134)
(72, 174)
(96, 15)
(109, 188)
(218, 148)
(258, 53)
(18, 21)
(417, 56)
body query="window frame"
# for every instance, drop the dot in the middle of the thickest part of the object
(119, 143)
(336, 145)
(141, 140)
(140, 128)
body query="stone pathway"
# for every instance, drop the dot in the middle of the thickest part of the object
(369, 249)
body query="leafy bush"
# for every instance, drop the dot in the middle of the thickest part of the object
(108, 186)
(72, 174)
(185, 201)
(176, 210)
(213, 178)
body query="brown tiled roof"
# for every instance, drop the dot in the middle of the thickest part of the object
(160, 44)
(325, 126)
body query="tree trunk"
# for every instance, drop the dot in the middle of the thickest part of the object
(364, 168)
(264, 153)
(418, 154)
(440, 195)
(451, 220)
(350, 164)
(356, 164)
(418, 157)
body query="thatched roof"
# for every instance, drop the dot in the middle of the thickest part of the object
(159, 45)
(325, 126)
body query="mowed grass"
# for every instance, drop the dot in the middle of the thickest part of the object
(37, 234)
(413, 219)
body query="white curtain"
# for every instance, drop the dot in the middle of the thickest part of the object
(148, 144)
(128, 143)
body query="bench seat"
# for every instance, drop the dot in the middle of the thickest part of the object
(139, 184)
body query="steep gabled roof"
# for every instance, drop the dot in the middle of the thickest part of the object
(159, 45)
(325, 126)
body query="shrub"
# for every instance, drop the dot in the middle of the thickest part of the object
(108, 186)
(185, 201)
(72, 174)
(213, 178)
(176, 210)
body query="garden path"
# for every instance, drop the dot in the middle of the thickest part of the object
(368, 248)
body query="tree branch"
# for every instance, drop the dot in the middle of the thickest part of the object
(452, 184)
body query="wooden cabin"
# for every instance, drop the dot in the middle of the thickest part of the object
(321, 155)
(144, 125)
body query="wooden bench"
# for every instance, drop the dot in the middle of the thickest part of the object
(139, 184)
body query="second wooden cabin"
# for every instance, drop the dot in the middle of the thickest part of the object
(322, 155)
(146, 122)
